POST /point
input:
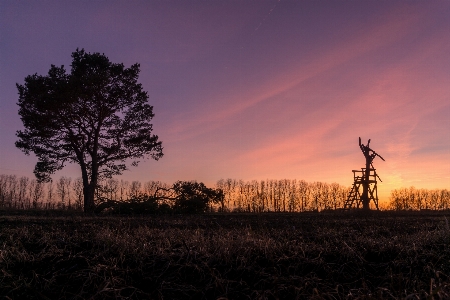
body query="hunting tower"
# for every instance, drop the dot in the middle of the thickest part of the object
(364, 187)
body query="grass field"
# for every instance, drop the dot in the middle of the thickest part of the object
(382, 255)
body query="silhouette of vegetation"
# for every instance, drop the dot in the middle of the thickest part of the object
(141, 204)
(419, 199)
(285, 195)
(236, 195)
(96, 116)
(194, 197)
(188, 197)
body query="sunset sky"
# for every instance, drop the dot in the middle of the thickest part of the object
(256, 89)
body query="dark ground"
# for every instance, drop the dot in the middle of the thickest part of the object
(381, 255)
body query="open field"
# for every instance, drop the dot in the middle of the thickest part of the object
(236, 256)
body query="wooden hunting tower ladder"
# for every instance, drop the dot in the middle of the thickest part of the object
(364, 187)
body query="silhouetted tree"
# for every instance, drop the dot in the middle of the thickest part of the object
(77, 188)
(97, 116)
(124, 189)
(3, 189)
(63, 190)
(135, 188)
(36, 192)
(194, 197)
(181, 197)
(23, 184)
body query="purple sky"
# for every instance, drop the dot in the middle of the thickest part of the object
(256, 89)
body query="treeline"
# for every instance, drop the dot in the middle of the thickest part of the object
(25, 193)
(284, 195)
(419, 199)
(240, 196)
(66, 193)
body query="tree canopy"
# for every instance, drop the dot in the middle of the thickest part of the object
(97, 116)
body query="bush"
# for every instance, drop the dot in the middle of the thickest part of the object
(187, 196)
(194, 197)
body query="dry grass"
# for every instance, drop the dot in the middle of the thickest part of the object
(266, 256)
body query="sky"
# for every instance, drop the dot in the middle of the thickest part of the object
(256, 89)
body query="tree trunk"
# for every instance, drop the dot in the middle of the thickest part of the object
(89, 192)
(88, 188)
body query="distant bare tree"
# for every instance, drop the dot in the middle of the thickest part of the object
(334, 195)
(151, 187)
(124, 190)
(231, 188)
(343, 195)
(63, 190)
(77, 188)
(293, 196)
(221, 185)
(411, 196)
(3, 189)
(111, 188)
(240, 195)
(262, 195)
(283, 192)
(12, 187)
(315, 195)
(425, 194)
(303, 191)
(135, 188)
(434, 199)
(444, 199)
(31, 186)
(325, 202)
(36, 191)
(23, 184)
(50, 194)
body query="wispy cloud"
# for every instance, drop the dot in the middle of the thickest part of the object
(374, 37)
